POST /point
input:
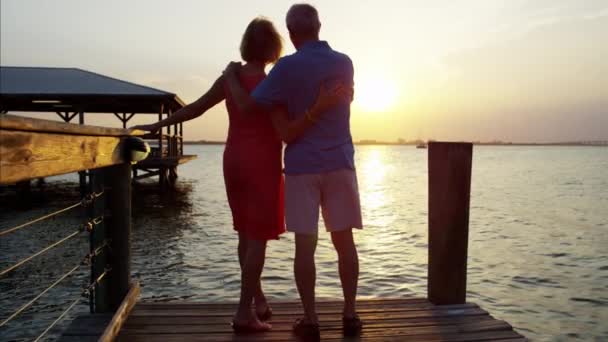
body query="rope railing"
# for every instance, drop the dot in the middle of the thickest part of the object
(28, 304)
(65, 312)
(86, 227)
(87, 291)
(86, 201)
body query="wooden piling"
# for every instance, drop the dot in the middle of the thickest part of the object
(449, 167)
(118, 227)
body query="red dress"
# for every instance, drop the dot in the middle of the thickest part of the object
(253, 170)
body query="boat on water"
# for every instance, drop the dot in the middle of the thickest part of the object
(421, 145)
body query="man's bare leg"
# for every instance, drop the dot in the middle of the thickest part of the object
(348, 267)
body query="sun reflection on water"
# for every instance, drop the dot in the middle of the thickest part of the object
(372, 169)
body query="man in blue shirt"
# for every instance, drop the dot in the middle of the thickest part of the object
(319, 165)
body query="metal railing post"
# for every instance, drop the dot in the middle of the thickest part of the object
(98, 299)
(117, 181)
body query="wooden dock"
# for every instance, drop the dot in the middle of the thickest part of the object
(31, 149)
(414, 319)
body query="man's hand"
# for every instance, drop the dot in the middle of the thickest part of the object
(329, 96)
(232, 69)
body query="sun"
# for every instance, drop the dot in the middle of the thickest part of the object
(375, 93)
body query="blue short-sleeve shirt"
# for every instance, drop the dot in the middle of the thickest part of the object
(294, 83)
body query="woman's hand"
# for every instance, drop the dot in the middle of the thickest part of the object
(330, 96)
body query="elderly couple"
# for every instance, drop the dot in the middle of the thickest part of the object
(304, 101)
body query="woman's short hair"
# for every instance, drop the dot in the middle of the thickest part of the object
(261, 42)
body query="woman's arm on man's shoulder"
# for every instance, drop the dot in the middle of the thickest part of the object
(243, 100)
(213, 96)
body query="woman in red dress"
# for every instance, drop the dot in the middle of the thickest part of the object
(252, 165)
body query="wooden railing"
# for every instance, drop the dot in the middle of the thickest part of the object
(32, 148)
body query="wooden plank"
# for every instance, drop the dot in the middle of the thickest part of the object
(86, 328)
(89, 325)
(267, 337)
(20, 123)
(390, 320)
(328, 320)
(80, 338)
(147, 175)
(369, 324)
(121, 314)
(321, 302)
(279, 310)
(202, 314)
(28, 155)
(166, 161)
(297, 306)
(449, 167)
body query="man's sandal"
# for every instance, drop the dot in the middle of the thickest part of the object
(352, 326)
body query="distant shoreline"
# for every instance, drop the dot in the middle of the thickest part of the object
(412, 143)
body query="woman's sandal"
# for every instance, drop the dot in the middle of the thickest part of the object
(303, 328)
(249, 328)
(351, 326)
(266, 315)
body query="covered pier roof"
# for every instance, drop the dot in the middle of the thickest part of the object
(41, 89)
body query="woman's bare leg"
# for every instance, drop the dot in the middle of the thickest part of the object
(252, 265)
(261, 304)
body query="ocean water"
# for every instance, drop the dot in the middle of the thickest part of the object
(538, 244)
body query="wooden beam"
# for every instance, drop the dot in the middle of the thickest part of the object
(19, 123)
(27, 155)
(118, 116)
(449, 166)
(121, 315)
(80, 117)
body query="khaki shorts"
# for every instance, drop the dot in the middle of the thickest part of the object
(335, 192)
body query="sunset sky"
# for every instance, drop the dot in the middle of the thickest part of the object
(454, 70)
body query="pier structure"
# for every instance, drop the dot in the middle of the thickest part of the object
(74, 94)
(27, 151)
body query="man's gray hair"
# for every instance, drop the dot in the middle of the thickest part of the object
(303, 19)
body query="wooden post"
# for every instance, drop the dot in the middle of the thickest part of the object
(181, 139)
(118, 229)
(160, 133)
(449, 167)
(82, 175)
